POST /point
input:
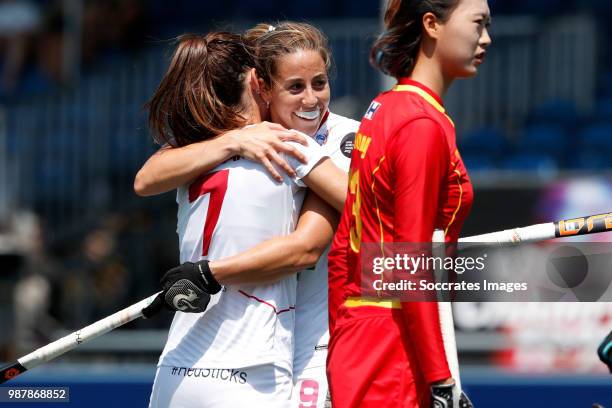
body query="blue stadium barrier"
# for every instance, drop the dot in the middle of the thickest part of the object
(487, 387)
(94, 387)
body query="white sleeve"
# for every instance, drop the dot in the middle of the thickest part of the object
(314, 154)
(341, 146)
(341, 140)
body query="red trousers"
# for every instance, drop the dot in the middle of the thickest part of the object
(369, 362)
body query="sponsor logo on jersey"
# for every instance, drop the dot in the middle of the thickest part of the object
(223, 374)
(372, 110)
(321, 137)
(348, 144)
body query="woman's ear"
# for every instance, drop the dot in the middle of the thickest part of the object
(431, 25)
(264, 90)
(254, 82)
(257, 86)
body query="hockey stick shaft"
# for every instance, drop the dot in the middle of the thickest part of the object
(73, 340)
(592, 224)
(447, 323)
(564, 228)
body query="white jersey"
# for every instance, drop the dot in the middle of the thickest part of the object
(227, 211)
(311, 328)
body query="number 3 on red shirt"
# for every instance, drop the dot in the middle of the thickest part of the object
(356, 226)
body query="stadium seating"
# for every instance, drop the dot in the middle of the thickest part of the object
(486, 141)
(548, 138)
(602, 111)
(542, 163)
(482, 148)
(557, 112)
(597, 137)
(476, 162)
(540, 7)
(590, 160)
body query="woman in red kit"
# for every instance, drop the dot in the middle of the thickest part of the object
(406, 180)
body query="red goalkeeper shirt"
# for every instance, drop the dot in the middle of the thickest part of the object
(406, 179)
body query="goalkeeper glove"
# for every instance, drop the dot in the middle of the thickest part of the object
(442, 397)
(605, 351)
(186, 288)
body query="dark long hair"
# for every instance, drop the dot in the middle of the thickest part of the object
(395, 51)
(200, 95)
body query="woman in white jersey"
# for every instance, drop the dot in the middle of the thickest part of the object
(239, 348)
(292, 64)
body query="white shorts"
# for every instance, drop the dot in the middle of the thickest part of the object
(310, 389)
(259, 386)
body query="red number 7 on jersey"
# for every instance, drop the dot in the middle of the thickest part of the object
(214, 184)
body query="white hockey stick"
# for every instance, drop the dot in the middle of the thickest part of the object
(447, 324)
(538, 232)
(71, 341)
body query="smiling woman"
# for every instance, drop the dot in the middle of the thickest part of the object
(210, 87)
(301, 87)
(293, 65)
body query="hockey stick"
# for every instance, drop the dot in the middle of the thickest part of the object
(565, 228)
(447, 324)
(71, 341)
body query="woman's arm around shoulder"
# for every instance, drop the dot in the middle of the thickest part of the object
(169, 167)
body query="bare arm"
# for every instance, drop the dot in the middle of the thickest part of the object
(278, 257)
(170, 168)
(329, 182)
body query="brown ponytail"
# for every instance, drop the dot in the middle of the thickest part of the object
(396, 50)
(200, 96)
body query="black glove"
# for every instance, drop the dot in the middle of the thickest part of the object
(605, 351)
(186, 288)
(442, 397)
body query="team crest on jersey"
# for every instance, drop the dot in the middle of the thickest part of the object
(372, 110)
(347, 144)
(321, 136)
